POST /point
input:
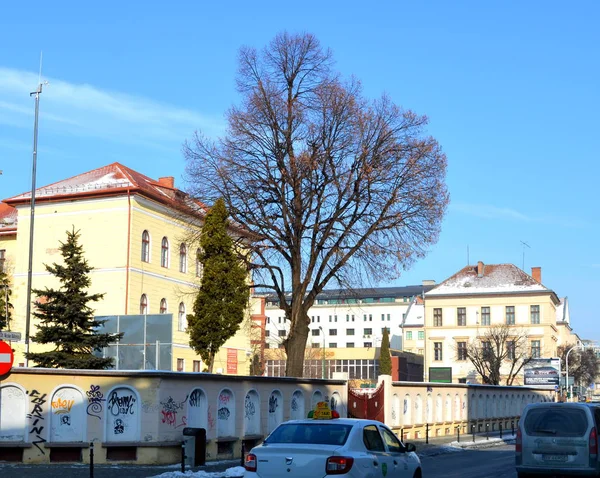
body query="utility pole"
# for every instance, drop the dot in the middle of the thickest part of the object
(37, 94)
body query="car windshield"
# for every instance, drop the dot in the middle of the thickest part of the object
(319, 433)
(555, 421)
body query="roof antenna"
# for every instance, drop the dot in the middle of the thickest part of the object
(524, 244)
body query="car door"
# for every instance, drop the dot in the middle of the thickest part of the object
(381, 458)
(402, 465)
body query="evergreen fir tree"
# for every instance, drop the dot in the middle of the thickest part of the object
(66, 320)
(385, 359)
(6, 307)
(221, 302)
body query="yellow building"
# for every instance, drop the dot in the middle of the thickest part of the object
(137, 239)
(465, 305)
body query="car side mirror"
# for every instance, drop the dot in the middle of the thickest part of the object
(410, 447)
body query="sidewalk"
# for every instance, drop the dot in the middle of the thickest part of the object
(449, 443)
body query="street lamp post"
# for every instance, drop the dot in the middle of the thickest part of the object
(323, 360)
(570, 389)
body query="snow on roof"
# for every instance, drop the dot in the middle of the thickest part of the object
(562, 310)
(496, 278)
(416, 315)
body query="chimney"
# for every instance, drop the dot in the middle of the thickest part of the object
(479, 269)
(536, 273)
(167, 181)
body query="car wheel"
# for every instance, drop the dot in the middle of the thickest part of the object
(417, 473)
(524, 475)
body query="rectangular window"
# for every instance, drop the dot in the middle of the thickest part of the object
(332, 345)
(510, 315)
(349, 331)
(437, 351)
(485, 316)
(368, 345)
(437, 317)
(370, 317)
(267, 333)
(347, 318)
(383, 317)
(268, 320)
(316, 345)
(352, 317)
(330, 318)
(2, 259)
(279, 320)
(319, 319)
(368, 331)
(388, 317)
(281, 333)
(461, 316)
(510, 350)
(180, 365)
(487, 350)
(409, 335)
(315, 332)
(421, 334)
(335, 318)
(461, 351)
(536, 349)
(535, 314)
(196, 365)
(384, 329)
(350, 345)
(332, 331)
(365, 317)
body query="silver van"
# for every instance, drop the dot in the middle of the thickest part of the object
(558, 439)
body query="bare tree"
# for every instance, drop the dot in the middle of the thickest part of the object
(502, 351)
(333, 187)
(584, 365)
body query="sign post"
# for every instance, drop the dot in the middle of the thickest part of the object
(6, 358)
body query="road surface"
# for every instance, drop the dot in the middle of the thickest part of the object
(494, 462)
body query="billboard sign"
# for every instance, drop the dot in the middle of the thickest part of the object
(542, 371)
(440, 374)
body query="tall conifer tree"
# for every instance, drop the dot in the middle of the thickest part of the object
(221, 302)
(5, 306)
(66, 319)
(385, 359)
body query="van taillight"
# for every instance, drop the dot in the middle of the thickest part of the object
(593, 443)
(519, 441)
(250, 463)
(338, 465)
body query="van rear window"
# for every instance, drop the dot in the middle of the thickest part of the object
(555, 421)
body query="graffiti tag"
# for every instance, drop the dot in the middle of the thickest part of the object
(95, 399)
(121, 405)
(36, 416)
(62, 405)
(169, 412)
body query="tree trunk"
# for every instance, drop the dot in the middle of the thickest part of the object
(211, 362)
(295, 346)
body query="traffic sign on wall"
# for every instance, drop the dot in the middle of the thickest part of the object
(6, 358)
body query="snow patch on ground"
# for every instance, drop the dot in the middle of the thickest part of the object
(234, 472)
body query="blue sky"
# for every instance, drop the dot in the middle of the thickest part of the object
(511, 89)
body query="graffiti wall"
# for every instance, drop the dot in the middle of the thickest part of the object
(122, 415)
(67, 417)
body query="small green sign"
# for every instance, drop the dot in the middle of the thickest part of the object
(384, 469)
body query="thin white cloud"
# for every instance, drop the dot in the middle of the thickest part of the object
(488, 211)
(85, 110)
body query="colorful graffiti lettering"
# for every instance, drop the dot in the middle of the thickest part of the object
(62, 405)
(36, 415)
(210, 419)
(169, 412)
(95, 399)
(121, 405)
(224, 398)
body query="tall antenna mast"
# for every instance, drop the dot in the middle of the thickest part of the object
(524, 244)
(37, 94)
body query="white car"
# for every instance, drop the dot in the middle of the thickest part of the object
(315, 448)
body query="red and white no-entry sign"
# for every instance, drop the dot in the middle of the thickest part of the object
(6, 358)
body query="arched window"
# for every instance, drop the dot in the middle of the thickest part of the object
(145, 246)
(181, 319)
(144, 304)
(164, 252)
(163, 306)
(182, 258)
(198, 263)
